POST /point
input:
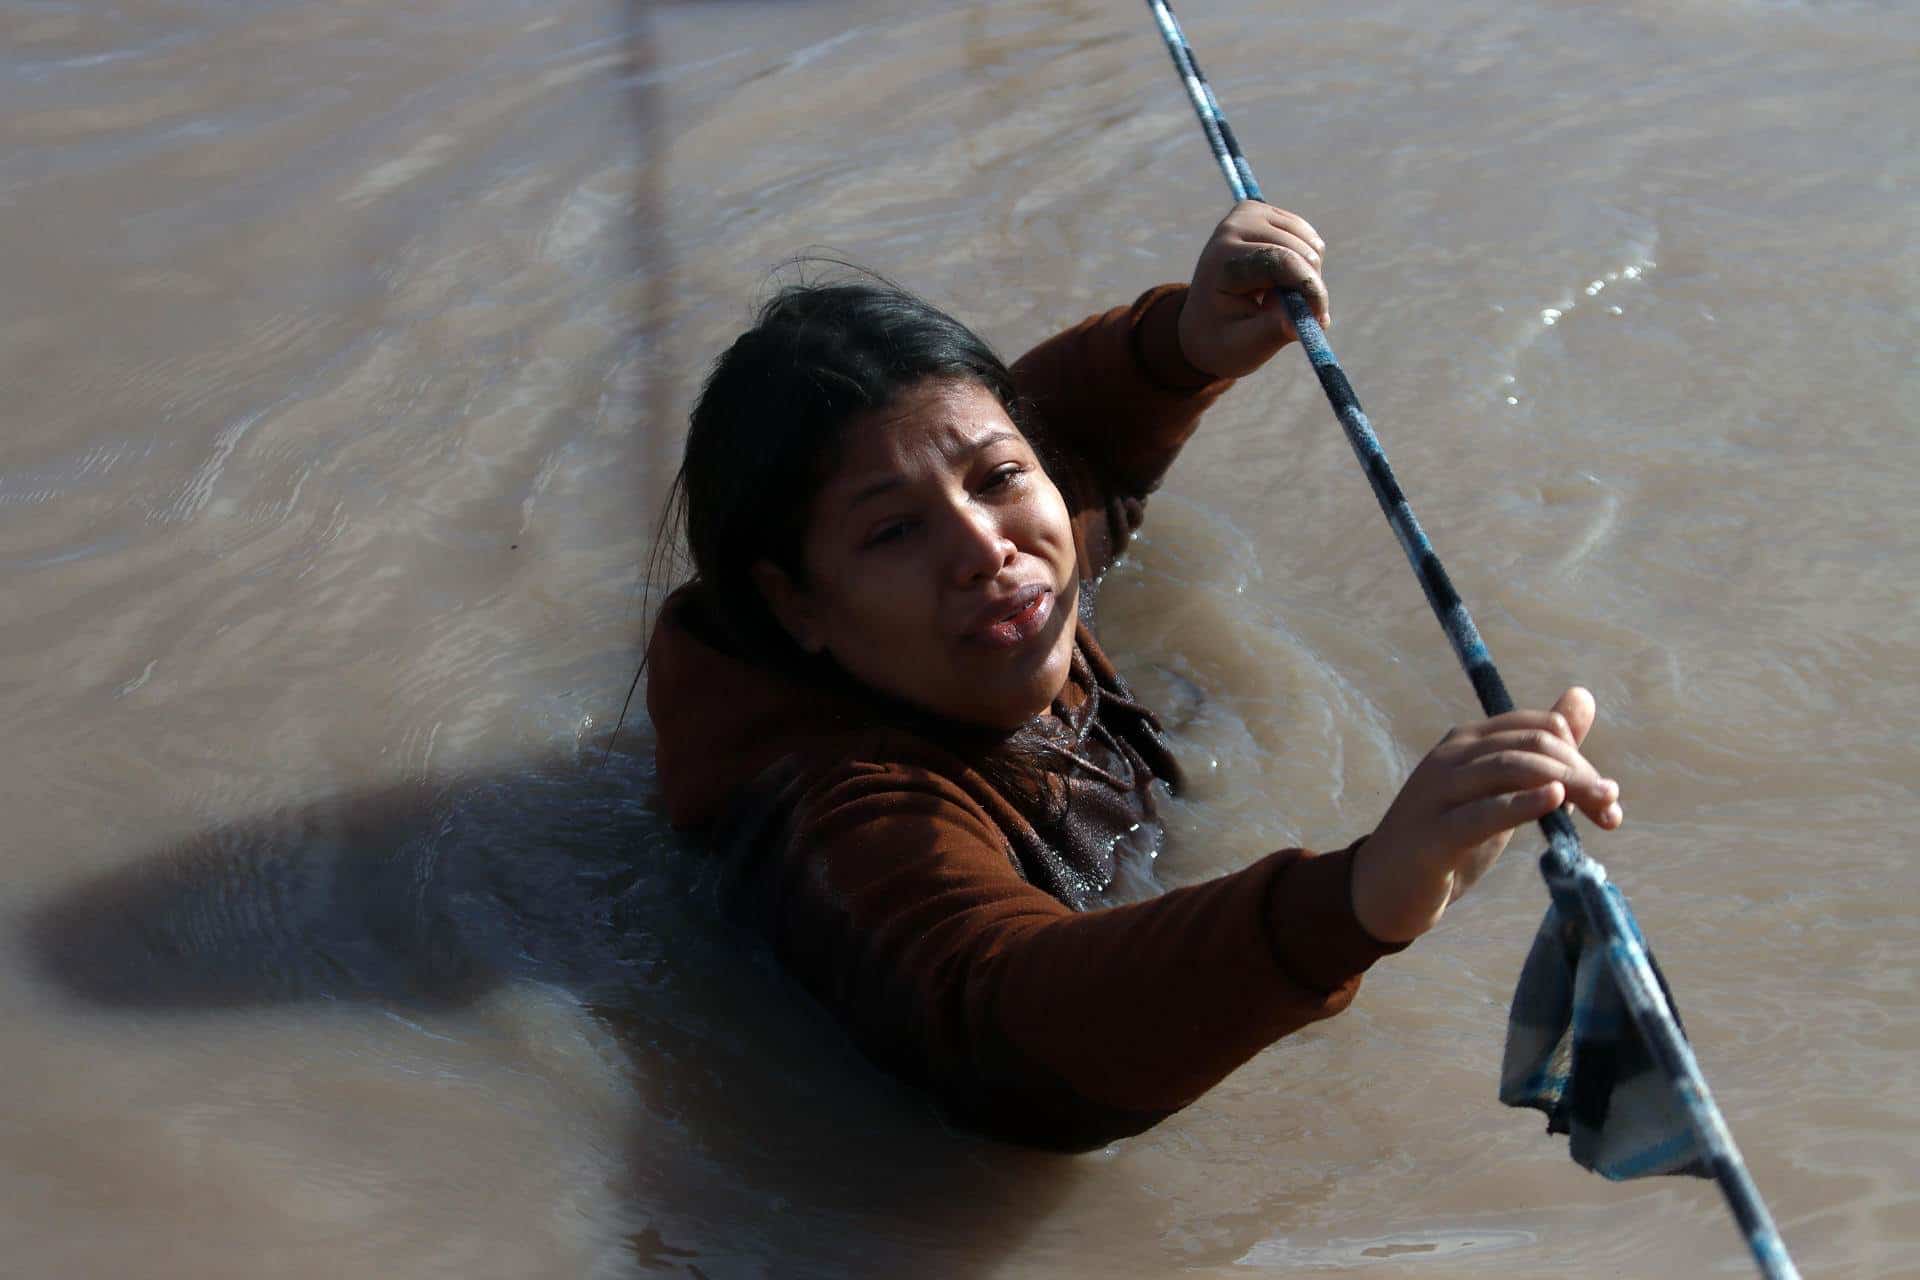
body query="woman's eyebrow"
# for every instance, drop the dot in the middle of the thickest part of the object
(965, 449)
(868, 491)
(985, 442)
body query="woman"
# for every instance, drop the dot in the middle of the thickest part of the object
(882, 695)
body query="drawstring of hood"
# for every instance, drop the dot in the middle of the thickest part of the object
(1085, 724)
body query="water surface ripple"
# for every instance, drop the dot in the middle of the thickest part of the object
(347, 351)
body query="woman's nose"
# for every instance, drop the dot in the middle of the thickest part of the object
(978, 547)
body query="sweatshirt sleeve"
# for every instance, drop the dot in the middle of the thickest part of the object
(1115, 400)
(894, 900)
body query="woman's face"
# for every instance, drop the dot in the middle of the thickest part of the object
(940, 561)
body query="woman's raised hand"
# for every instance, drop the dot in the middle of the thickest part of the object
(1232, 320)
(1456, 812)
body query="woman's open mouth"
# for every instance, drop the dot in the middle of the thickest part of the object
(1015, 620)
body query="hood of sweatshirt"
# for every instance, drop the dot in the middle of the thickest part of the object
(720, 720)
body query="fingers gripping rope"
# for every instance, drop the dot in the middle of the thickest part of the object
(1565, 865)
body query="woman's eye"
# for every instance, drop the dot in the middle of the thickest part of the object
(892, 531)
(1001, 477)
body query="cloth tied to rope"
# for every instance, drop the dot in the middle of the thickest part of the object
(1575, 1052)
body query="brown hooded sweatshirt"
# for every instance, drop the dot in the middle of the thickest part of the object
(953, 919)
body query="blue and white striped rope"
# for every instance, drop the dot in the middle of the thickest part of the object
(1568, 870)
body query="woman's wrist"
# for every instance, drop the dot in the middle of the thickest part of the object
(1160, 345)
(1388, 902)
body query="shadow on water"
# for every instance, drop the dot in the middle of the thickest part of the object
(767, 1144)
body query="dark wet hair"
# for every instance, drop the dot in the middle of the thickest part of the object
(765, 435)
(767, 431)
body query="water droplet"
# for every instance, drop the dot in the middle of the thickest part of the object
(1614, 311)
(1513, 399)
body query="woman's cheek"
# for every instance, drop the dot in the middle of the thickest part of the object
(1069, 560)
(899, 596)
(1045, 526)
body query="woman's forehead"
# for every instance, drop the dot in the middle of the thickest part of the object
(935, 425)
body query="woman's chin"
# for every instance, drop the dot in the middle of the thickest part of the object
(1000, 688)
(1033, 692)
(1022, 683)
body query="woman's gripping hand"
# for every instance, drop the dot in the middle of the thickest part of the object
(1456, 812)
(1232, 321)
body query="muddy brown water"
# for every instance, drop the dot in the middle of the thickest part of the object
(346, 349)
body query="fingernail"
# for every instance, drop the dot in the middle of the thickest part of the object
(1615, 815)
